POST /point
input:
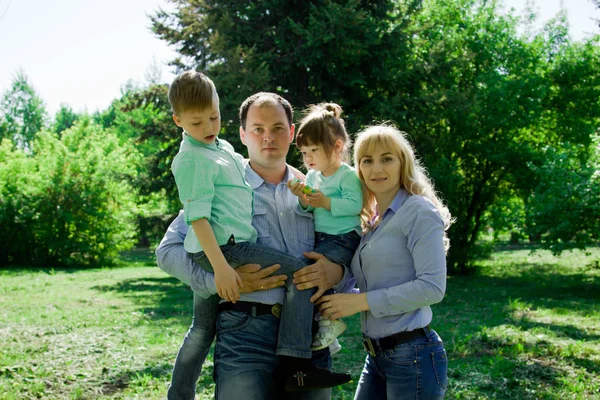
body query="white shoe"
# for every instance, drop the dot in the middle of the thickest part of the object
(328, 331)
(335, 347)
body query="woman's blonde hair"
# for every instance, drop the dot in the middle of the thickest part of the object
(413, 177)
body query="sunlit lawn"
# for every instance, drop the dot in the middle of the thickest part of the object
(526, 326)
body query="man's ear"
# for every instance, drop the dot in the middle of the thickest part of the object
(292, 129)
(242, 135)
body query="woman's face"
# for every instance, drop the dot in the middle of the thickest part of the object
(381, 171)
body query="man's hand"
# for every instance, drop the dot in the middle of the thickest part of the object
(255, 278)
(323, 274)
(340, 305)
(319, 200)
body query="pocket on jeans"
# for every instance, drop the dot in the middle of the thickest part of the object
(232, 320)
(440, 366)
(405, 355)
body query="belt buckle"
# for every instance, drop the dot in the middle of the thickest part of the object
(368, 344)
(276, 310)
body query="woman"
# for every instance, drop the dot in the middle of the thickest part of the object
(400, 269)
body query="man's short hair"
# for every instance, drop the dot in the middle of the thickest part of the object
(265, 99)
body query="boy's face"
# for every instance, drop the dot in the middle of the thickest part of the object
(202, 125)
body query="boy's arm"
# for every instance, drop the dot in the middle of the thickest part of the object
(226, 279)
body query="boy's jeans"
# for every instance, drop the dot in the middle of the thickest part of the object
(295, 333)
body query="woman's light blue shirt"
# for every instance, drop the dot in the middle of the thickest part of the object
(401, 265)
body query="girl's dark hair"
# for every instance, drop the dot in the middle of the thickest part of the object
(323, 126)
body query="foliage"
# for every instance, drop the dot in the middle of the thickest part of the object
(564, 210)
(64, 119)
(307, 51)
(143, 116)
(22, 112)
(71, 202)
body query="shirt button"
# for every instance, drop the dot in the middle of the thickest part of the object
(281, 214)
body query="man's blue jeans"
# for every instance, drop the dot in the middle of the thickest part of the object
(246, 360)
(414, 370)
(295, 334)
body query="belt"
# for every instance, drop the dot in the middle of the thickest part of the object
(389, 342)
(254, 309)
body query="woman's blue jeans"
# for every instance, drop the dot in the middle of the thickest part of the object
(413, 370)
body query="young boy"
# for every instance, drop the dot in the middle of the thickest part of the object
(217, 204)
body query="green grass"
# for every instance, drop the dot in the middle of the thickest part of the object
(526, 326)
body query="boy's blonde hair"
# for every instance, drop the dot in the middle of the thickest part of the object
(191, 90)
(323, 126)
(413, 177)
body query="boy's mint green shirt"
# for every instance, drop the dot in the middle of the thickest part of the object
(345, 190)
(211, 184)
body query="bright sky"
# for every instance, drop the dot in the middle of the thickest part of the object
(81, 52)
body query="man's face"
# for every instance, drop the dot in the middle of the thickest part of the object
(267, 135)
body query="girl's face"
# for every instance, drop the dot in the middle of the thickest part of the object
(314, 157)
(381, 171)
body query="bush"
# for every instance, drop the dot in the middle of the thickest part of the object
(70, 203)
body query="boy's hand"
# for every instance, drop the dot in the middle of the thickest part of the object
(318, 199)
(228, 284)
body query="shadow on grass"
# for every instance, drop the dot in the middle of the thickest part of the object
(159, 298)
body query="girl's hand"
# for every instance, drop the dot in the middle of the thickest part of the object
(228, 284)
(340, 305)
(318, 199)
(296, 187)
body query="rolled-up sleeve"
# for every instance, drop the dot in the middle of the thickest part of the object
(195, 177)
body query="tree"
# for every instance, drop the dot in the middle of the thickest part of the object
(22, 112)
(64, 119)
(70, 202)
(308, 51)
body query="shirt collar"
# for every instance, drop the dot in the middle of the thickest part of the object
(254, 180)
(397, 202)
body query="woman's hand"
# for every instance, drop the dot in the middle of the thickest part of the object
(340, 305)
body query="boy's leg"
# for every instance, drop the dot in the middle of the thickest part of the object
(194, 349)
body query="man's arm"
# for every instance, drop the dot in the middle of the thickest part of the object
(175, 261)
(172, 258)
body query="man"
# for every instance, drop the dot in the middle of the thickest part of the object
(245, 359)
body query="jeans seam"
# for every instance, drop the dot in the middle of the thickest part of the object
(435, 369)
